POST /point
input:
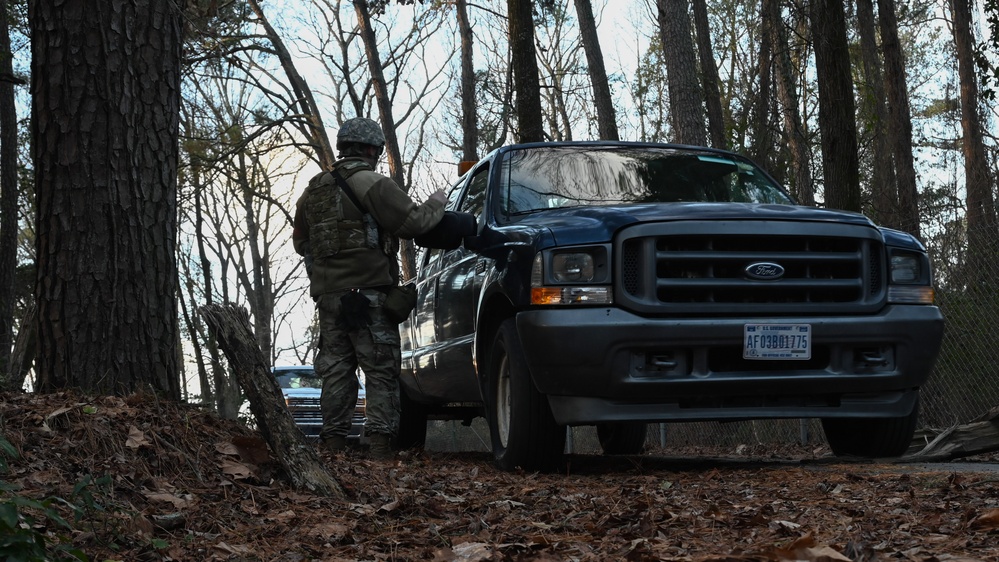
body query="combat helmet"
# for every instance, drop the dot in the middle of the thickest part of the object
(360, 130)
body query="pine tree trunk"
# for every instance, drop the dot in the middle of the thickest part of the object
(8, 191)
(685, 99)
(899, 119)
(884, 193)
(837, 122)
(709, 76)
(23, 354)
(794, 129)
(763, 143)
(981, 217)
(469, 118)
(606, 120)
(106, 120)
(524, 62)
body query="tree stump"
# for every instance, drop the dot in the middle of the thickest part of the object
(976, 437)
(231, 326)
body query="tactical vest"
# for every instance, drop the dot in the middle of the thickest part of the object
(329, 231)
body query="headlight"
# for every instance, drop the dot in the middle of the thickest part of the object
(572, 268)
(910, 280)
(577, 276)
(904, 268)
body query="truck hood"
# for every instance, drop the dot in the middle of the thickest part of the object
(582, 225)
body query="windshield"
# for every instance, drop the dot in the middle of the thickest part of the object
(559, 177)
(298, 378)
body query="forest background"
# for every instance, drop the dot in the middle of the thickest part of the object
(152, 150)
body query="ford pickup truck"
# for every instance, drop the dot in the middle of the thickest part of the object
(618, 284)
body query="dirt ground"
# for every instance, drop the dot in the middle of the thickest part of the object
(171, 482)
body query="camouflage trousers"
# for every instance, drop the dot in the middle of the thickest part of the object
(374, 348)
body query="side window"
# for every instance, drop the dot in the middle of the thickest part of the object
(452, 197)
(476, 194)
(432, 256)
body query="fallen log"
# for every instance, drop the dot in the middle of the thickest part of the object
(977, 437)
(231, 326)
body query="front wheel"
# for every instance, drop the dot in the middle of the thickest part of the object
(523, 430)
(622, 438)
(871, 437)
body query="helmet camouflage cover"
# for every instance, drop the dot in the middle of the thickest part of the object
(360, 130)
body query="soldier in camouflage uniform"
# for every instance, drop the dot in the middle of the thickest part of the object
(352, 256)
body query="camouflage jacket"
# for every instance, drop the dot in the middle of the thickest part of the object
(347, 255)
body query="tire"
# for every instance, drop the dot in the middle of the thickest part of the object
(871, 437)
(412, 423)
(523, 430)
(622, 438)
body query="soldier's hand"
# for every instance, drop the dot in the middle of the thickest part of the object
(439, 196)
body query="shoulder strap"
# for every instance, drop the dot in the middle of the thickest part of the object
(347, 189)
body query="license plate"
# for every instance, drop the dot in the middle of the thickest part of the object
(777, 341)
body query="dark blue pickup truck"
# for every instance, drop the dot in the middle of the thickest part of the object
(617, 284)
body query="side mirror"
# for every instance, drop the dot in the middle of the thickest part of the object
(473, 243)
(449, 233)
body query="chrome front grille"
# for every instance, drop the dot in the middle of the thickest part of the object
(700, 268)
(305, 411)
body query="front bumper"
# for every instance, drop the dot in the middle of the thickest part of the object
(606, 364)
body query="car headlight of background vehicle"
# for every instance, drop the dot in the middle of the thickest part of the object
(909, 278)
(578, 275)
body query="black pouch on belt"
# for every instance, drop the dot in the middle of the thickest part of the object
(399, 302)
(354, 312)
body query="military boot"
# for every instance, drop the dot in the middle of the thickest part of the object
(335, 443)
(381, 446)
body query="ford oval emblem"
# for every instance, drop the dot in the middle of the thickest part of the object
(764, 271)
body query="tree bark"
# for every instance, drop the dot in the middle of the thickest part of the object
(606, 120)
(709, 76)
(8, 191)
(884, 191)
(685, 98)
(982, 228)
(763, 142)
(230, 325)
(469, 118)
(105, 120)
(840, 163)
(23, 354)
(794, 129)
(524, 62)
(899, 119)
